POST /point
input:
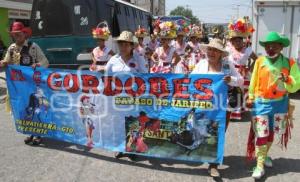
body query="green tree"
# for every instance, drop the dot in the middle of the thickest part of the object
(186, 12)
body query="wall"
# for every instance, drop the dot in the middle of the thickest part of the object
(4, 24)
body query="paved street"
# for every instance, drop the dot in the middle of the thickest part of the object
(64, 162)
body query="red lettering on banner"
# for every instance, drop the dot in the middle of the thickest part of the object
(179, 88)
(141, 86)
(16, 75)
(208, 93)
(159, 87)
(90, 82)
(108, 82)
(53, 83)
(75, 83)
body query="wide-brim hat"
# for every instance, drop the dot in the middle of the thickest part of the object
(217, 44)
(17, 27)
(233, 34)
(197, 35)
(126, 36)
(275, 37)
(101, 37)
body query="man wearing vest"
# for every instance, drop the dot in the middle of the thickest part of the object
(25, 53)
(273, 77)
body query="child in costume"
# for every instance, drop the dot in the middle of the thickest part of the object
(274, 76)
(239, 55)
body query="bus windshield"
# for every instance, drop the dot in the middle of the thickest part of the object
(51, 17)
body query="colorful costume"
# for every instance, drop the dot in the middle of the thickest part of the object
(165, 58)
(101, 55)
(141, 33)
(164, 63)
(269, 93)
(241, 28)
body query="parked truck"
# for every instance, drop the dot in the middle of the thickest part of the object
(282, 16)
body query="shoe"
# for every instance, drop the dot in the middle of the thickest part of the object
(28, 140)
(213, 171)
(258, 173)
(37, 140)
(119, 155)
(268, 162)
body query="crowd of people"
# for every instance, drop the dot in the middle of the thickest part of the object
(261, 83)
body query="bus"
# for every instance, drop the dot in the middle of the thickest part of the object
(63, 28)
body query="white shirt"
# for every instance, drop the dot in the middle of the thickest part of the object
(165, 57)
(239, 58)
(136, 64)
(180, 50)
(104, 57)
(236, 79)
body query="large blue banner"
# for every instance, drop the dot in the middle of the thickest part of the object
(161, 115)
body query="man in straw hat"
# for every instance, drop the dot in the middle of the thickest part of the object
(126, 60)
(215, 63)
(25, 53)
(274, 76)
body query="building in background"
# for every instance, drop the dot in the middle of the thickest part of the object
(156, 7)
(10, 11)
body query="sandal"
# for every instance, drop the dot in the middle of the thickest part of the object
(37, 140)
(28, 139)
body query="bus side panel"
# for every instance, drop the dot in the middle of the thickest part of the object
(64, 50)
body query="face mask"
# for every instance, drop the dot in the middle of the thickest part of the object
(274, 56)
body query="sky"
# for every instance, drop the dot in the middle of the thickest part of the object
(213, 11)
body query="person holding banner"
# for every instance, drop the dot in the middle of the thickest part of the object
(24, 53)
(274, 76)
(101, 54)
(240, 55)
(126, 60)
(165, 57)
(215, 64)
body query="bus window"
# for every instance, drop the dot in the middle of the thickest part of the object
(51, 17)
(84, 13)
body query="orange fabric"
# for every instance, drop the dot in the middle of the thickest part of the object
(264, 78)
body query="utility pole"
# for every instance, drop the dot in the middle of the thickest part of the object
(152, 7)
(238, 11)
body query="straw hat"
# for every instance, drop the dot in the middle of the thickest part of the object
(217, 44)
(141, 32)
(240, 28)
(101, 33)
(126, 36)
(182, 27)
(165, 30)
(195, 31)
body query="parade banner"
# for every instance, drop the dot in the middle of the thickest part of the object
(172, 116)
